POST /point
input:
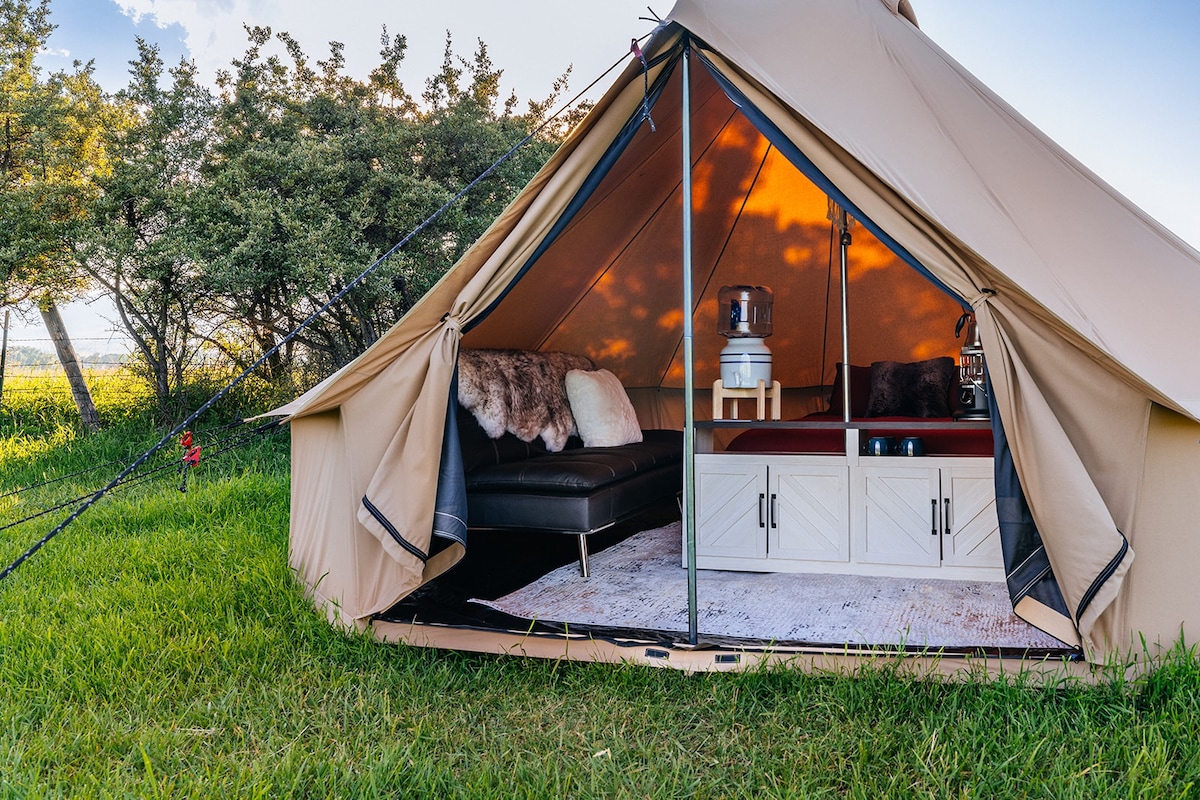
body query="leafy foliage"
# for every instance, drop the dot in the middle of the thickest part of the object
(217, 222)
(316, 175)
(52, 151)
(133, 248)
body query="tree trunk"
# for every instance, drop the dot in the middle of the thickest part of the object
(70, 364)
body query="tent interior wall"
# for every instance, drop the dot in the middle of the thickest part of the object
(608, 286)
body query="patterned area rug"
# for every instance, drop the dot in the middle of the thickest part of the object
(640, 584)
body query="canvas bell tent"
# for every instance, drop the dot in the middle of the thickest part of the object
(960, 203)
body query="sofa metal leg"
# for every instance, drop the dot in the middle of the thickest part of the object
(583, 555)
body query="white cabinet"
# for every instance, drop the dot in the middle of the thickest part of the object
(929, 512)
(731, 507)
(807, 512)
(927, 516)
(896, 518)
(971, 530)
(758, 512)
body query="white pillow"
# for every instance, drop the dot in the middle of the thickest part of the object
(602, 410)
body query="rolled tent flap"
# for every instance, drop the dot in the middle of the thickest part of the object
(401, 480)
(397, 506)
(377, 446)
(1032, 586)
(1068, 474)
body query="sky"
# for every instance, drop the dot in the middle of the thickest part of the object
(1114, 82)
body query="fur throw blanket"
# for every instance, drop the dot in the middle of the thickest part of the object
(520, 392)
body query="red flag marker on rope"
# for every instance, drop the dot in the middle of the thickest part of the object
(191, 457)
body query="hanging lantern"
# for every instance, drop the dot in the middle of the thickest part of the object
(972, 376)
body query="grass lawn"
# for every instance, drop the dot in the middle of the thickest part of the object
(159, 647)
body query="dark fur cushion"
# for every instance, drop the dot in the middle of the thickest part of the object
(916, 389)
(860, 391)
(519, 392)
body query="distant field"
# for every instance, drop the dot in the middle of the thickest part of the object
(160, 648)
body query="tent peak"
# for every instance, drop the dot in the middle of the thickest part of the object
(902, 8)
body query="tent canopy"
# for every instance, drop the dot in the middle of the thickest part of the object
(962, 202)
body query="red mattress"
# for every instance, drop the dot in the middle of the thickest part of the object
(952, 440)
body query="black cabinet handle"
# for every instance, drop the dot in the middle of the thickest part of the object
(774, 511)
(762, 498)
(933, 516)
(946, 518)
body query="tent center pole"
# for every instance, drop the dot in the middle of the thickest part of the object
(843, 224)
(689, 413)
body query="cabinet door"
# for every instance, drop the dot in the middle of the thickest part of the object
(970, 530)
(731, 507)
(895, 515)
(808, 506)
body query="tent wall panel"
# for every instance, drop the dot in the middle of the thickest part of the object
(1160, 600)
(322, 496)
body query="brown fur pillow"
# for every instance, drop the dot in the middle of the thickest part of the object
(519, 392)
(916, 389)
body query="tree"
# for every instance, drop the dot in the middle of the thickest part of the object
(224, 221)
(277, 220)
(464, 130)
(51, 152)
(315, 175)
(136, 247)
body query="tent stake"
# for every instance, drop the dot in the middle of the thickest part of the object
(689, 412)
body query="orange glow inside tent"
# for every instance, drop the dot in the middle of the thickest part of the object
(610, 286)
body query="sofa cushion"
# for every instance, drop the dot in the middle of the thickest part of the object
(860, 390)
(574, 513)
(581, 470)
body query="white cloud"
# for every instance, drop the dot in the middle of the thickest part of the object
(533, 41)
(57, 52)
